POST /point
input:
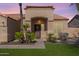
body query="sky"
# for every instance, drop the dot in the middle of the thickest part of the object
(63, 9)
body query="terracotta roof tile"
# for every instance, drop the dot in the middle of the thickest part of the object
(58, 17)
(39, 7)
(17, 17)
(14, 16)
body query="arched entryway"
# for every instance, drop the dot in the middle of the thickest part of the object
(38, 24)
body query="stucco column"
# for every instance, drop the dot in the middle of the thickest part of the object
(42, 30)
(43, 33)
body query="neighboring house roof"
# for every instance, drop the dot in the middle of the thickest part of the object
(3, 15)
(17, 17)
(74, 22)
(58, 17)
(14, 16)
(39, 7)
(76, 16)
(7, 17)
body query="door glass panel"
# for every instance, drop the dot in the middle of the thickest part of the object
(37, 27)
(37, 30)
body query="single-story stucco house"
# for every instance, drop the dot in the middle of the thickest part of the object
(8, 27)
(42, 21)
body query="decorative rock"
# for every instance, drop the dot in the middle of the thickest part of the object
(58, 41)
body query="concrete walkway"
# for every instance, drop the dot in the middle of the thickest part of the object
(38, 45)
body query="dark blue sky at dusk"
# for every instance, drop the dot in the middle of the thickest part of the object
(63, 9)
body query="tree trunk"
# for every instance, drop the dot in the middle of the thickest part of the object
(24, 32)
(21, 16)
(21, 21)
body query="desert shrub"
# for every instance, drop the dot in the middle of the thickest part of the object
(31, 36)
(56, 36)
(18, 35)
(63, 36)
(51, 38)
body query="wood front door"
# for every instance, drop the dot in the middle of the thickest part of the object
(37, 30)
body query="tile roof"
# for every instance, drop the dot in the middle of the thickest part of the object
(75, 17)
(58, 17)
(39, 7)
(17, 17)
(14, 16)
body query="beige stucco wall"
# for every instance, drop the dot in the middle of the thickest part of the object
(3, 29)
(62, 26)
(3, 19)
(38, 12)
(50, 27)
(3, 35)
(72, 31)
(59, 26)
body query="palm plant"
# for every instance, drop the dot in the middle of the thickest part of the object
(25, 27)
(21, 17)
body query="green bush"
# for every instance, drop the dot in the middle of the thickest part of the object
(49, 37)
(52, 37)
(18, 35)
(31, 36)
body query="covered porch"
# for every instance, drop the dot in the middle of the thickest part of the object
(39, 26)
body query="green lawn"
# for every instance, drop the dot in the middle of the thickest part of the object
(51, 50)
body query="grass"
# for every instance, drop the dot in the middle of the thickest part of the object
(51, 50)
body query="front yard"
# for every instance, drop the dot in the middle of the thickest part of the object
(52, 49)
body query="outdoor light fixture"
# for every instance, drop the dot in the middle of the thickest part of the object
(39, 21)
